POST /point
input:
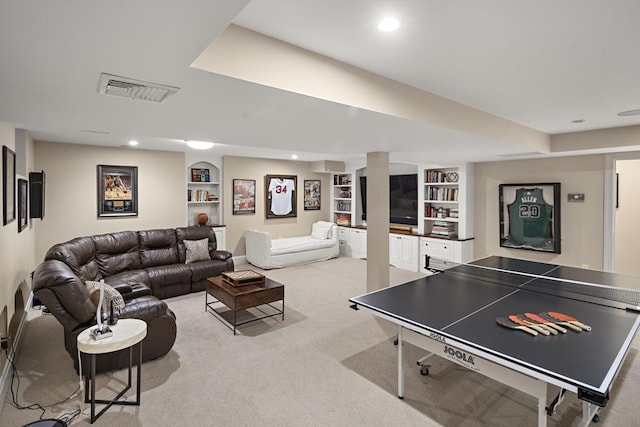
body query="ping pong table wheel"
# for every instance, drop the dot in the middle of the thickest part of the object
(424, 370)
(596, 418)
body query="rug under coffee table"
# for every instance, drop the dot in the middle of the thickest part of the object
(238, 298)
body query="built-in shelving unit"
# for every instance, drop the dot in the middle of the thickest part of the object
(446, 220)
(203, 192)
(441, 206)
(343, 202)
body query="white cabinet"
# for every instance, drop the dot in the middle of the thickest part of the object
(403, 251)
(353, 242)
(440, 254)
(203, 193)
(221, 237)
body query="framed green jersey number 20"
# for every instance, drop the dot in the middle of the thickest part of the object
(530, 216)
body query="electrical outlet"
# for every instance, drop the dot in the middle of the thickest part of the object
(4, 343)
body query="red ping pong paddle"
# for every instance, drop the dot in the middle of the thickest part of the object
(572, 320)
(542, 325)
(545, 322)
(531, 325)
(560, 322)
(503, 321)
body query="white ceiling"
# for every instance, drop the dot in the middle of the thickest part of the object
(538, 63)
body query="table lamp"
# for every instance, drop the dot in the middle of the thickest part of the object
(101, 331)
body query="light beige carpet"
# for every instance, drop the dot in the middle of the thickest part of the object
(325, 365)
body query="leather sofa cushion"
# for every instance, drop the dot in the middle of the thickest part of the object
(203, 269)
(146, 308)
(79, 255)
(129, 277)
(158, 247)
(169, 280)
(117, 252)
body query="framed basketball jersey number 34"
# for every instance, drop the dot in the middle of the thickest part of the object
(530, 216)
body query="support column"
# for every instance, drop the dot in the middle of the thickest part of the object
(377, 220)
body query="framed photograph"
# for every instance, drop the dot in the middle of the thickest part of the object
(311, 194)
(117, 191)
(244, 196)
(280, 196)
(530, 216)
(9, 185)
(23, 196)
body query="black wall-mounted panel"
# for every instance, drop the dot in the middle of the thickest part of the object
(36, 194)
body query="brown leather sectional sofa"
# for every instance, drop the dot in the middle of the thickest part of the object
(144, 266)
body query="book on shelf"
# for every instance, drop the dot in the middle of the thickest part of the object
(342, 205)
(441, 193)
(435, 176)
(343, 219)
(202, 196)
(444, 229)
(200, 175)
(436, 212)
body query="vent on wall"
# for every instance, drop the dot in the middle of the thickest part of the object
(134, 89)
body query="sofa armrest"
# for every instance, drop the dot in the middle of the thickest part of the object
(130, 290)
(122, 287)
(258, 244)
(146, 308)
(220, 255)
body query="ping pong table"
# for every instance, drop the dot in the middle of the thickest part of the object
(455, 312)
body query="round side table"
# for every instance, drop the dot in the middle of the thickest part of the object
(127, 333)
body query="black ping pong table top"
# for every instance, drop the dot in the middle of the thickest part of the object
(462, 304)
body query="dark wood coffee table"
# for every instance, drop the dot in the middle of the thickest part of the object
(237, 298)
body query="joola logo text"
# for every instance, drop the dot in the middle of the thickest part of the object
(436, 336)
(462, 356)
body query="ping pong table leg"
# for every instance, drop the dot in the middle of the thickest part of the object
(400, 368)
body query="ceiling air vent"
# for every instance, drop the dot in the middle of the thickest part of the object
(134, 89)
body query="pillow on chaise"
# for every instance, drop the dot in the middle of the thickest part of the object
(320, 230)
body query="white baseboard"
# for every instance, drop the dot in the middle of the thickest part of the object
(5, 379)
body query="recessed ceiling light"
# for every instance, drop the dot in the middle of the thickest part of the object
(133, 143)
(578, 121)
(630, 113)
(294, 156)
(388, 24)
(200, 145)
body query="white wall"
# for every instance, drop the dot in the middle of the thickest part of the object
(16, 249)
(627, 219)
(252, 168)
(71, 191)
(582, 224)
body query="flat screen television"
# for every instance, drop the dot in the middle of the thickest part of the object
(403, 199)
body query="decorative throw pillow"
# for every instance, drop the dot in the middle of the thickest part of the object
(110, 294)
(320, 230)
(196, 250)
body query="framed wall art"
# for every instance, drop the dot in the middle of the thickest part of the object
(311, 194)
(8, 185)
(117, 191)
(244, 196)
(23, 196)
(530, 216)
(280, 196)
